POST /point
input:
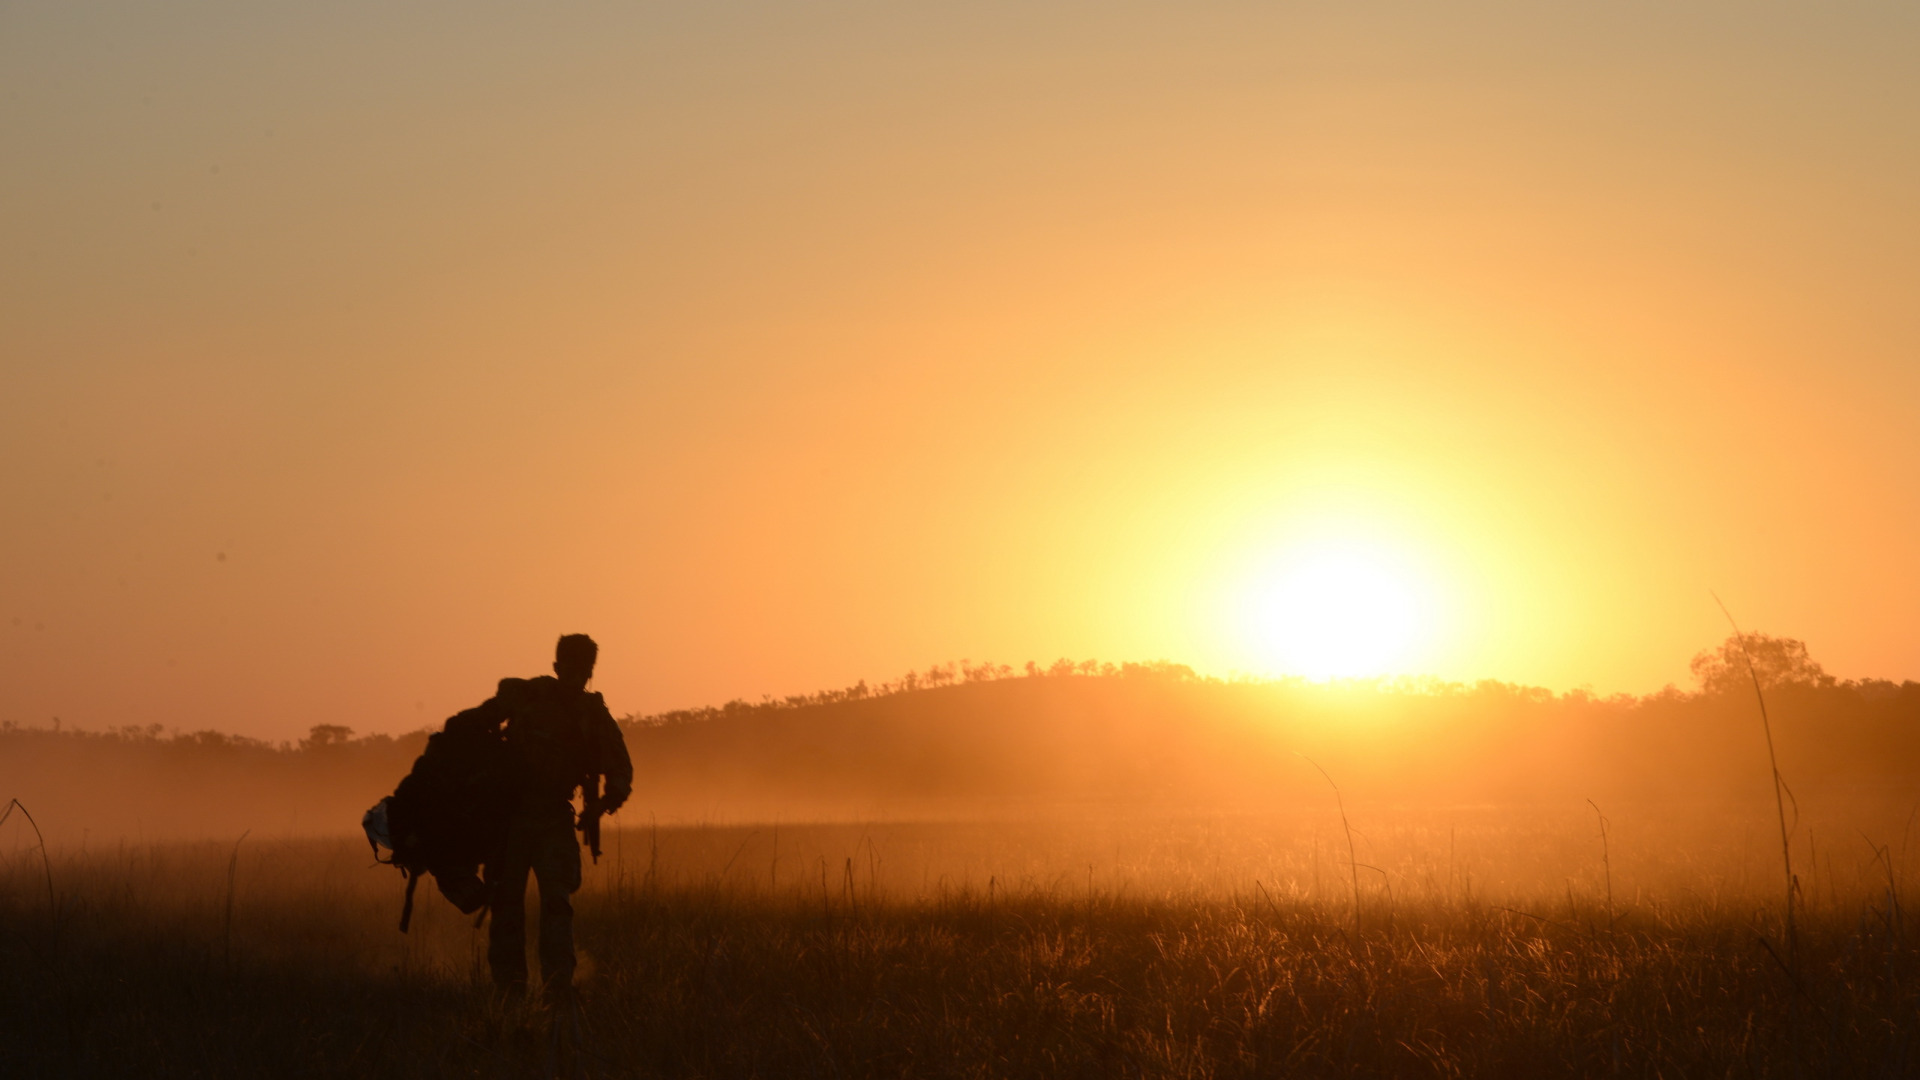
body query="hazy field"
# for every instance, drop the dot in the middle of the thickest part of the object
(1107, 945)
(1123, 872)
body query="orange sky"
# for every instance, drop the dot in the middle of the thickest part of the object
(352, 352)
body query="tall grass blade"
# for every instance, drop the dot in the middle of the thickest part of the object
(1779, 786)
(1353, 857)
(46, 864)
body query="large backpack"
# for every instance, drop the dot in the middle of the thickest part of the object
(448, 815)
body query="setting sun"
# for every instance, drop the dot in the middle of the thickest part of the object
(1337, 611)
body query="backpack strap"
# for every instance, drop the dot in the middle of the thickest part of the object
(406, 909)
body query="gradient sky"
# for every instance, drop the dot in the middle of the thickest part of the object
(351, 352)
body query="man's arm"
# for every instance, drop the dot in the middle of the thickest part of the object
(608, 748)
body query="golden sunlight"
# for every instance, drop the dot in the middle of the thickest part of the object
(1340, 610)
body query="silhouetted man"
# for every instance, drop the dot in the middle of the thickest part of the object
(561, 738)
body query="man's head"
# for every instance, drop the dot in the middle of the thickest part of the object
(573, 660)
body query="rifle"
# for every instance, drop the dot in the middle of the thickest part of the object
(592, 809)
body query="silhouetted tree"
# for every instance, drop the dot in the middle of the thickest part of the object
(325, 735)
(1777, 661)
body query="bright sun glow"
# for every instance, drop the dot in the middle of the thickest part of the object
(1337, 612)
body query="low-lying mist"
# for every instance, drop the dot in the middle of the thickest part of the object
(1075, 741)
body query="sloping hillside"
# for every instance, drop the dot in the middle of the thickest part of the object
(1146, 738)
(1164, 738)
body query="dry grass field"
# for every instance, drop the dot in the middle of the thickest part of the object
(1484, 944)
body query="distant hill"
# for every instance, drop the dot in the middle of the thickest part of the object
(1160, 737)
(990, 742)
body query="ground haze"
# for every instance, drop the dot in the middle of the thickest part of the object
(1098, 871)
(1483, 944)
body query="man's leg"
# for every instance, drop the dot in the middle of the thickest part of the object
(507, 930)
(557, 868)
